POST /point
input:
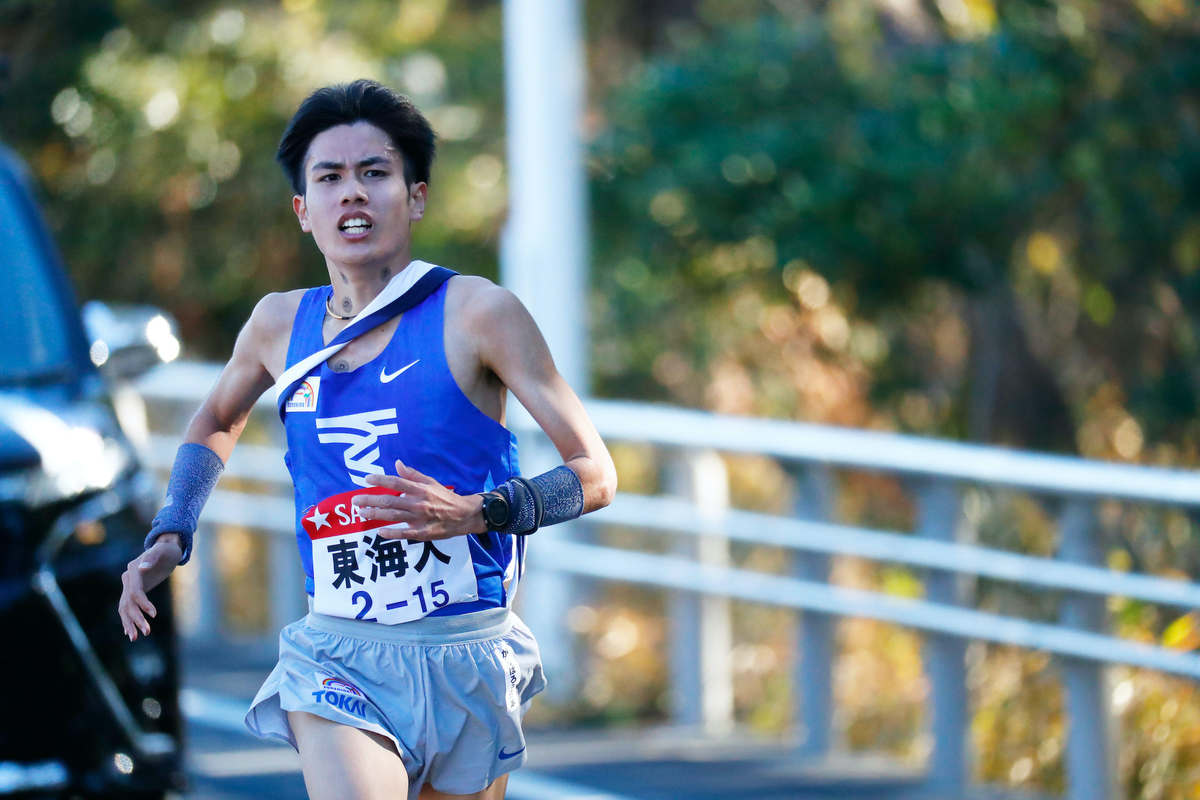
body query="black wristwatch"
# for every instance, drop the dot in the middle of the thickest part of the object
(495, 510)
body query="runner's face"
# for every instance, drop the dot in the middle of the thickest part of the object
(353, 173)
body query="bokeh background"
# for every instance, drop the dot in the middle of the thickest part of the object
(975, 219)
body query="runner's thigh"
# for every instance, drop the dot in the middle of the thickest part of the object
(493, 792)
(341, 762)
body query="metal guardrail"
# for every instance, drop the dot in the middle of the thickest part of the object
(701, 580)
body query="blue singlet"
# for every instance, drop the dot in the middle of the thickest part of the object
(403, 404)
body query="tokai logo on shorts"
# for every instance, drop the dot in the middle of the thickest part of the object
(360, 432)
(342, 695)
(305, 396)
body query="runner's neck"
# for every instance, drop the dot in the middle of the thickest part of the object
(354, 288)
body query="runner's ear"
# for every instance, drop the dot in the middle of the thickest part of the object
(418, 193)
(301, 209)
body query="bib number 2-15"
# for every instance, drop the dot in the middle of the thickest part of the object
(362, 575)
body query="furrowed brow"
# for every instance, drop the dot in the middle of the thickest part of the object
(366, 162)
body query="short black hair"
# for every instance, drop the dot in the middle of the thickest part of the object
(347, 103)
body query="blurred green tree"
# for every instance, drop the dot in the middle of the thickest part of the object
(1042, 178)
(152, 130)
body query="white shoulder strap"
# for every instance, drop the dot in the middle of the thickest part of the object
(398, 285)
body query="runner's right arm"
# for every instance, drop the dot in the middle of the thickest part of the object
(258, 355)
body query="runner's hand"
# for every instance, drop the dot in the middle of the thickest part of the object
(144, 573)
(430, 510)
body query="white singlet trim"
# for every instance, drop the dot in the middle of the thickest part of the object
(398, 285)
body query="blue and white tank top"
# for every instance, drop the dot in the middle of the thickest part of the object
(342, 426)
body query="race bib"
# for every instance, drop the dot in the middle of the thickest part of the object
(359, 574)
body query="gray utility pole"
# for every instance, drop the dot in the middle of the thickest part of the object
(544, 251)
(543, 259)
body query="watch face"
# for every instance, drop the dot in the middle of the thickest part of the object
(495, 511)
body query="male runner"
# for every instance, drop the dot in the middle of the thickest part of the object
(411, 673)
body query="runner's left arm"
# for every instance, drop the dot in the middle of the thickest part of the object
(508, 342)
(516, 351)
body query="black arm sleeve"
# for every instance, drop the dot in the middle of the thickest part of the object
(552, 497)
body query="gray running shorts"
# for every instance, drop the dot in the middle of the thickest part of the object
(448, 691)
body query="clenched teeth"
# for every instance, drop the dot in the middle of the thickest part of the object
(355, 225)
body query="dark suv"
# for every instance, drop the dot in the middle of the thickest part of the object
(86, 712)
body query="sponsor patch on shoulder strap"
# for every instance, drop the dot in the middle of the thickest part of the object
(305, 396)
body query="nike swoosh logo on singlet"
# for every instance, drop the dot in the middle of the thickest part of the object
(385, 378)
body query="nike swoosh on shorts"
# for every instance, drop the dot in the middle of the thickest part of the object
(505, 755)
(385, 378)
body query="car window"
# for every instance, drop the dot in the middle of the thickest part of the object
(32, 328)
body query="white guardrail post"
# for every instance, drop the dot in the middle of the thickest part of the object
(286, 596)
(945, 656)
(1090, 767)
(286, 593)
(210, 607)
(547, 594)
(700, 634)
(812, 681)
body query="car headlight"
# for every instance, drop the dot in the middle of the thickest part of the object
(77, 454)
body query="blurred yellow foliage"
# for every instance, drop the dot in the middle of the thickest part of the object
(1183, 633)
(1043, 252)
